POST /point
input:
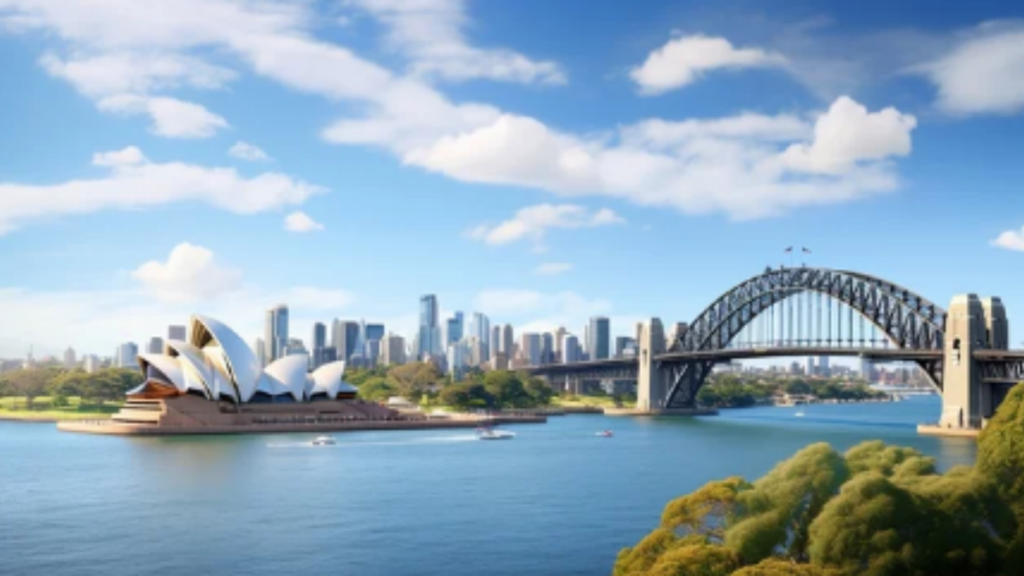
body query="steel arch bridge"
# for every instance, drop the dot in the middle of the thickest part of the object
(907, 321)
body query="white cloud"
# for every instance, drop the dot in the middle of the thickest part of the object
(553, 268)
(247, 151)
(684, 60)
(115, 73)
(848, 134)
(301, 222)
(534, 311)
(190, 273)
(1010, 240)
(983, 74)
(739, 165)
(129, 156)
(172, 118)
(429, 32)
(135, 183)
(533, 222)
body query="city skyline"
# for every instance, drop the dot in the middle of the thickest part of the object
(175, 145)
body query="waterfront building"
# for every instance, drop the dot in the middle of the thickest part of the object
(453, 329)
(125, 355)
(392, 350)
(600, 338)
(69, 358)
(176, 332)
(275, 332)
(155, 345)
(570, 349)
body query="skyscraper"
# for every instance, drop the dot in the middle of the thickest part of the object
(480, 327)
(429, 330)
(823, 366)
(530, 348)
(92, 363)
(155, 345)
(559, 335)
(259, 348)
(454, 329)
(344, 336)
(507, 342)
(624, 345)
(494, 344)
(570, 349)
(374, 332)
(275, 332)
(318, 343)
(600, 338)
(69, 358)
(547, 348)
(176, 332)
(125, 356)
(392, 350)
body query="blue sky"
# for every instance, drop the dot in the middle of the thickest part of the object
(532, 160)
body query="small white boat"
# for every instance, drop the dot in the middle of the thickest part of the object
(324, 441)
(488, 434)
(799, 414)
(604, 434)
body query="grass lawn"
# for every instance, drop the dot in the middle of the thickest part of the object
(588, 401)
(17, 408)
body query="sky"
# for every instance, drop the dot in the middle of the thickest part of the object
(530, 160)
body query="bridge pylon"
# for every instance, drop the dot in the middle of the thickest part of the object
(651, 385)
(972, 324)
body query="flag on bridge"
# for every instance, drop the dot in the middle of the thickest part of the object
(806, 251)
(790, 249)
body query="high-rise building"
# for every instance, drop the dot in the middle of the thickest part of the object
(91, 363)
(318, 343)
(275, 332)
(453, 329)
(69, 358)
(372, 352)
(458, 355)
(624, 346)
(508, 344)
(530, 349)
(392, 350)
(547, 348)
(811, 368)
(480, 328)
(259, 348)
(823, 366)
(344, 338)
(600, 338)
(429, 329)
(155, 345)
(866, 369)
(374, 332)
(126, 355)
(570, 349)
(559, 336)
(494, 344)
(176, 332)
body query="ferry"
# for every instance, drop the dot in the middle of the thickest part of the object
(488, 434)
(323, 441)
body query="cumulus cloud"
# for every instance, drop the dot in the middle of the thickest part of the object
(301, 222)
(983, 73)
(534, 222)
(429, 33)
(128, 72)
(1010, 240)
(132, 182)
(741, 166)
(685, 60)
(190, 273)
(247, 151)
(553, 268)
(171, 118)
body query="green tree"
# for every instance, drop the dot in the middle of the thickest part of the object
(376, 389)
(414, 380)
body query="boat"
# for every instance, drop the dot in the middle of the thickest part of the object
(799, 414)
(488, 434)
(323, 441)
(604, 434)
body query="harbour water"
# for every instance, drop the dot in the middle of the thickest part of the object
(556, 500)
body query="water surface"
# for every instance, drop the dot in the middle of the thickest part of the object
(556, 500)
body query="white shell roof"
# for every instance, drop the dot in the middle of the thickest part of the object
(169, 367)
(327, 380)
(285, 376)
(194, 365)
(243, 367)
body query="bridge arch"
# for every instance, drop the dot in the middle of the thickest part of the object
(907, 319)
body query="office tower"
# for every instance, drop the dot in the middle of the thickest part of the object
(600, 338)
(392, 350)
(494, 344)
(559, 335)
(155, 345)
(457, 360)
(69, 358)
(530, 348)
(508, 345)
(547, 348)
(586, 340)
(570, 349)
(453, 329)
(92, 363)
(624, 345)
(374, 332)
(372, 352)
(429, 329)
(344, 337)
(318, 342)
(480, 328)
(823, 366)
(176, 332)
(811, 369)
(126, 355)
(259, 348)
(294, 346)
(275, 332)
(866, 370)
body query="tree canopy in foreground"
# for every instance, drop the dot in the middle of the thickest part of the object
(876, 510)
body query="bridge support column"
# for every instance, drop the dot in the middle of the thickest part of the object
(651, 387)
(971, 324)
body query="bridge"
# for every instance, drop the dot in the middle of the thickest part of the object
(823, 312)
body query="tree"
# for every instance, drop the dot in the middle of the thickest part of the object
(798, 387)
(30, 383)
(376, 389)
(414, 380)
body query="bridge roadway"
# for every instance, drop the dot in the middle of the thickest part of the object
(996, 365)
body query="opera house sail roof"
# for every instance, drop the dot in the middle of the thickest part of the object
(215, 363)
